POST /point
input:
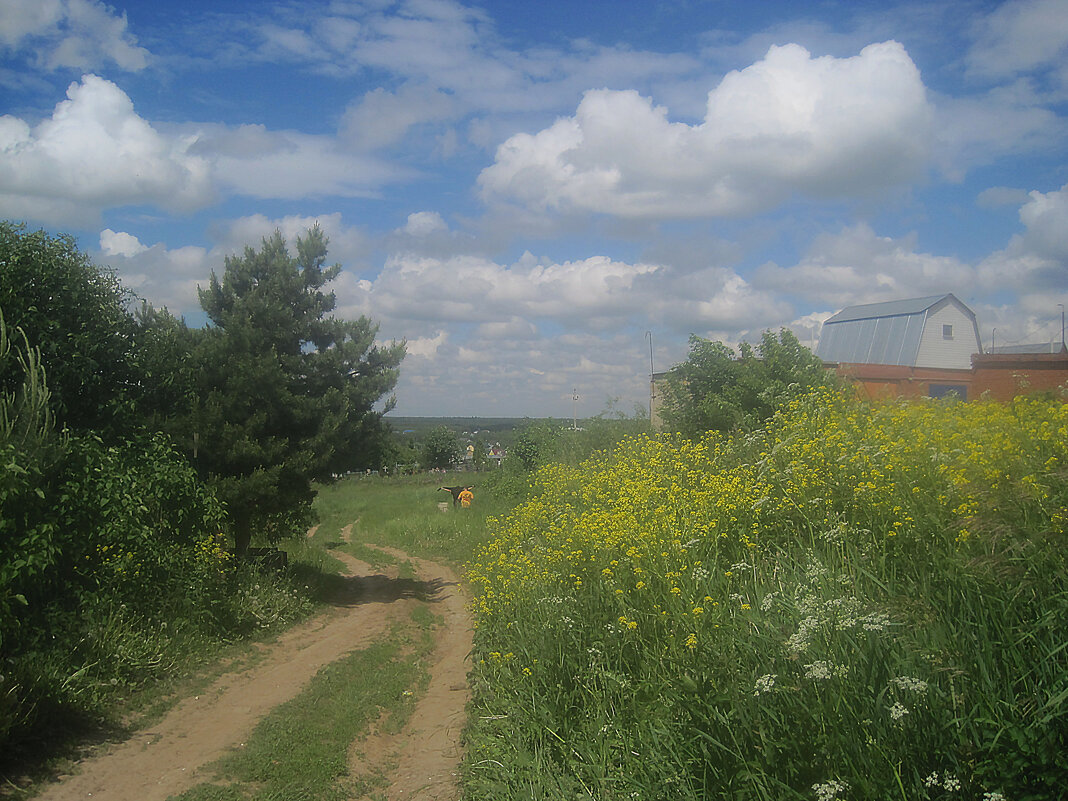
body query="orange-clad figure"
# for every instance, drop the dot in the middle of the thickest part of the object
(466, 497)
(457, 491)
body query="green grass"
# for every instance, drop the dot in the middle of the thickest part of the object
(404, 513)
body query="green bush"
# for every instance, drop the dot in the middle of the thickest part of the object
(125, 527)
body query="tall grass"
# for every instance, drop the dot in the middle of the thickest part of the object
(857, 602)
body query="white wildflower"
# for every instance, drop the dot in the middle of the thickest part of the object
(829, 790)
(932, 780)
(993, 796)
(836, 534)
(909, 683)
(765, 683)
(951, 783)
(768, 601)
(801, 640)
(815, 571)
(818, 670)
(898, 711)
(876, 621)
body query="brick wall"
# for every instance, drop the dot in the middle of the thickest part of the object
(879, 381)
(1001, 376)
(1006, 375)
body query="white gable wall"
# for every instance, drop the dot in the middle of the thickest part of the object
(955, 353)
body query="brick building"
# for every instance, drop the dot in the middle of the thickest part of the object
(930, 347)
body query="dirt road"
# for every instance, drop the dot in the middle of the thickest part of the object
(171, 756)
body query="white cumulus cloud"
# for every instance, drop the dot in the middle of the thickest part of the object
(789, 123)
(474, 289)
(256, 162)
(162, 276)
(120, 243)
(422, 223)
(1035, 262)
(95, 152)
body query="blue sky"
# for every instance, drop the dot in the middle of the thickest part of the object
(527, 192)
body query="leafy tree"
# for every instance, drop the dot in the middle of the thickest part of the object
(284, 394)
(716, 390)
(166, 369)
(441, 448)
(75, 314)
(533, 443)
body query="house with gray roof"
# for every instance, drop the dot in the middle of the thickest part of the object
(936, 332)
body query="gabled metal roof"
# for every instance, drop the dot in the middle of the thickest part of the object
(880, 333)
(873, 340)
(890, 308)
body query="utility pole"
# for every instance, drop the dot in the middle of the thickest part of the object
(993, 331)
(1062, 325)
(574, 409)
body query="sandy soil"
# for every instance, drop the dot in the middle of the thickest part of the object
(171, 756)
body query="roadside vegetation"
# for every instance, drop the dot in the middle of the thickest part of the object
(141, 457)
(853, 601)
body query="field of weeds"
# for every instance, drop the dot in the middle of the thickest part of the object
(862, 602)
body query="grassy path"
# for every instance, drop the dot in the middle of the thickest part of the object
(327, 710)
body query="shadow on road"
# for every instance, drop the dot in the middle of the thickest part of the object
(351, 591)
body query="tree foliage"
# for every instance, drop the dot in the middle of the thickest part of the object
(75, 314)
(107, 531)
(441, 448)
(716, 390)
(284, 394)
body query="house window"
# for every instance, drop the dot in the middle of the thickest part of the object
(947, 332)
(959, 391)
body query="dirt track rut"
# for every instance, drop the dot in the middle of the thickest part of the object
(172, 755)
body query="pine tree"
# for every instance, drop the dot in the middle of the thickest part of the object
(285, 394)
